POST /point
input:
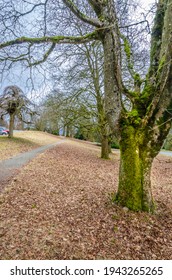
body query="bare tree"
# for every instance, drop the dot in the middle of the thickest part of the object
(94, 72)
(14, 103)
(84, 79)
(69, 112)
(144, 125)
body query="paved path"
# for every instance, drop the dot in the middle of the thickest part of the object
(162, 152)
(166, 153)
(9, 167)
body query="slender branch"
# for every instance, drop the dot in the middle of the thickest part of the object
(83, 17)
(46, 55)
(13, 59)
(136, 23)
(155, 127)
(32, 9)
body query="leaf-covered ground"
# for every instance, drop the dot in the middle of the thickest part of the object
(22, 142)
(59, 207)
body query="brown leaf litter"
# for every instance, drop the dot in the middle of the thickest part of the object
(59, 207)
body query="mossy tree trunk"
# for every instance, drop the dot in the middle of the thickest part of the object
(105, 147)
(139, 145)
(142, 129)
(134, 189)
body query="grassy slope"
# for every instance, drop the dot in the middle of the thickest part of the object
(22, 142)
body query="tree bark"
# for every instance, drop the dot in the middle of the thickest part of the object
(134, 190)
(11, 126)
(64, 130)
(109, 144)
(112, 80)
(67, 131)
(105, 147)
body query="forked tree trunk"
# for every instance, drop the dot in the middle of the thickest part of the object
(11, 126)
(134, 190)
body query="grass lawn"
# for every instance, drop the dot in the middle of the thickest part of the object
(23, 142)
(59, 207)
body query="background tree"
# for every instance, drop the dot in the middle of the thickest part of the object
(14, 103)
(71, 113)
(83, 78)
(141, 127)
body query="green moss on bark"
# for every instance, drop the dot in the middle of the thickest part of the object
(105, 148)
(129, 192)
(134, 172)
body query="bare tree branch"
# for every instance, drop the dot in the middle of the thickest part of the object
(46, 55)
(84, 18)
(52, 39)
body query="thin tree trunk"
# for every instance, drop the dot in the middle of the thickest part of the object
(109, 145)
(22, 125)
(67, 131)
(11, 126)
(64, 130)
(134, 190)
(105, 147)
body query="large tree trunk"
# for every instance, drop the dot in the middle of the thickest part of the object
(134, 189)
(112, 82)
(11, 126)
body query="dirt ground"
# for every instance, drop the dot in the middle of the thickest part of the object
(59, 207)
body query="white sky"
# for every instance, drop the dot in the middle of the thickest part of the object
(147, 2)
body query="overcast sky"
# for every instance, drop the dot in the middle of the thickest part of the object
(147, 2)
